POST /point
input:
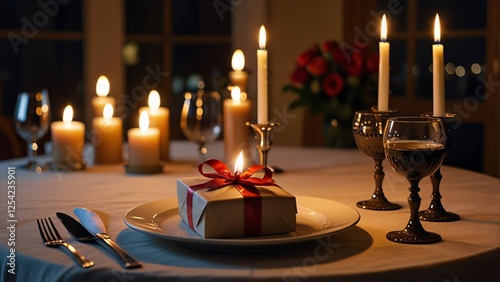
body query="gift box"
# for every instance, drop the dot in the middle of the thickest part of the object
(232, 206)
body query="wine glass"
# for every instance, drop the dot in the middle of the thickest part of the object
(201, 118)
(31, 120)
(414, 147)
(368, 127)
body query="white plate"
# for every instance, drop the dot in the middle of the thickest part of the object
(316, 218)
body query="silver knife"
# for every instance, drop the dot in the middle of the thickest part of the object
(93, 223)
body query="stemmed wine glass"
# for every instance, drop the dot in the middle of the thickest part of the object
(368, 127)
(31, 120)
(414, 147)
(201, 118)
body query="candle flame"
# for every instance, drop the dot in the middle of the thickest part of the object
(107, 112)
(68, 114)
(238, 166)
(144, 120)
(236, 95)
(383, 29)
(437, 30)
(238, 60)
(154, 100)
(262, 38)
(102, 86)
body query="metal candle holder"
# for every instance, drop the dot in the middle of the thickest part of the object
(436, 211)
(264, 142)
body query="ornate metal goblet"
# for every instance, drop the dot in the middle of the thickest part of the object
(265, 142)
(368, 128)
(436, 212)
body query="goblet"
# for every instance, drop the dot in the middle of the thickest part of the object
(414, 147)
(31, 120)
(436, 212)
(368, 127)
(201, 118)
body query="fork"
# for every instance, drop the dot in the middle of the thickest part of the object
(51, 238)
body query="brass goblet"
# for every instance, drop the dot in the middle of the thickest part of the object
(368, 128)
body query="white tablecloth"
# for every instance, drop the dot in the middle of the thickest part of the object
(470, 250)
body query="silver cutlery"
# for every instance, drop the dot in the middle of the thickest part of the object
(92, 229)
(51, 238)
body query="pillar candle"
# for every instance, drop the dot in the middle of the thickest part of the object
(68, 140)
(159, 118)
(144, 144)
(236, 133)
(238, 76)
(107, 137)
(384, 67)
(102, 90)
(262, 107)
(438, 72)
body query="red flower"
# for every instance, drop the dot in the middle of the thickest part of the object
(372, 63)
(300, 76)
(333, 84)
(317, 66)
(305, 57)
(354, 66)
(334, 49)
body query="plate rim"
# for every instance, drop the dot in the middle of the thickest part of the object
(158, 233)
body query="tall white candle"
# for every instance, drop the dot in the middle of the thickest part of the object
(238, 76)
(107, 139)
(68, 140)
(383, 69)
(262, 107)
(102, 89)
(144, 144)
(236, 114)
(438, 72)
(159, 117)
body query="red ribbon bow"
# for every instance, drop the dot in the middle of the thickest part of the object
(245, 182)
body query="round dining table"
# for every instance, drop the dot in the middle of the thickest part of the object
(332, 181)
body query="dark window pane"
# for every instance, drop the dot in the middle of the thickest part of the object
(32, 16)
(399, 68)
(453, 14)
(396, 11)
(55, 65)
(464, 60)
(145, 17)
(201, 17)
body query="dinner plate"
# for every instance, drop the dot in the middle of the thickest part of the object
(316, 218)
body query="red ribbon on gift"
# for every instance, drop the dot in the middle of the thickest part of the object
(246, 184)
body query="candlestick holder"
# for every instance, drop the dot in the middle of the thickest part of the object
(264, 142)
(368, 128)
(436, 212)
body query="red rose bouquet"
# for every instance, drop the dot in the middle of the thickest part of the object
(335, 79)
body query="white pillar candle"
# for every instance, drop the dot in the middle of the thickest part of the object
(144, 144)
(438, 72)
(159, 118)
(102, 90)
(236, 113)
(68, 140)
(238, 76)
(107, 137)
(383, 69)
(262, 107)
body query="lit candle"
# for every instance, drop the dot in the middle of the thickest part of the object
(238, 76)
(238, 165)
(383, 68)
(237, 111)
(159, 118)
(144, 144)
(262, 78)
(68, 140)
(107, 137)
(102, 90)
(438, 71)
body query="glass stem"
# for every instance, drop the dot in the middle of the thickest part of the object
(32, 151)
(414, 202)
(378, 175)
